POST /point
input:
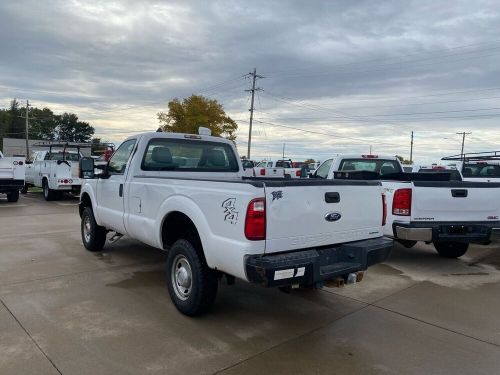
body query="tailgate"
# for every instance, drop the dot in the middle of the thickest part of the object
(12, 168)
(310, 213)
(455, 201)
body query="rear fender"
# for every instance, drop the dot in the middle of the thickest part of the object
(189, 208)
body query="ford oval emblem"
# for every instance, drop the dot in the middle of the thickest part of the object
(333, 216)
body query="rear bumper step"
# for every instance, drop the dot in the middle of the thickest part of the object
(475, 232)
(310, 266)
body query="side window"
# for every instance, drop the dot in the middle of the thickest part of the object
(324, 168)
(270, 164)
(118, 162)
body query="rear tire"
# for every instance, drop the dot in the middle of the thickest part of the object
(13, 196)
(450, 249)
(48, 193)
(191, 284)
(93, 235)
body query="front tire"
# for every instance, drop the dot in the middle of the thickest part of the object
(93, 235)
(450, 249)
(191, 284)
(24, 190)
(13, 196)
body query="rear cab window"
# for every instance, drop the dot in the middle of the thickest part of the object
(181, 155)
(379, 166)
(481, 170)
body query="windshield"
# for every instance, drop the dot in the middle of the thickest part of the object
(372, 165)
(481, 170)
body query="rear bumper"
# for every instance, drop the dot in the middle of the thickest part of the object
(10, 185)
(470, 232)
(310, 266)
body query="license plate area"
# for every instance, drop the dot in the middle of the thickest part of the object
(458, 230)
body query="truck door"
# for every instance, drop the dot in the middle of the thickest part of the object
(110, 205)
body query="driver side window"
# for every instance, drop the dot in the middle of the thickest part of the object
(118, 162)
(324, 168)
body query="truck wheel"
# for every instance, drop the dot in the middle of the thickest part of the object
(13, 196)
(49, 194)
(191, 284)
(93, 235)
(451, 249)
(24, 190)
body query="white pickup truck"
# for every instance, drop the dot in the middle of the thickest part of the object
(214, 222)
(55, 170)
(12, 171)
(426, 207)
(277, 169)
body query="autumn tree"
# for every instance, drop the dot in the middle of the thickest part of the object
(187, 116)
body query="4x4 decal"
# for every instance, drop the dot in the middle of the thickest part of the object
(230, 213)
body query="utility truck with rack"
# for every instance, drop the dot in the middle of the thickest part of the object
(187, 194)
(12, 174)
(477, 166)
(55, 169)
(428, 207)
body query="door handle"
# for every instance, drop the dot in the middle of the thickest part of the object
(120, 190)
(459, 193)
(332, 197)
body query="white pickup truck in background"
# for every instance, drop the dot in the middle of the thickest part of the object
(12, 172)
(55, 170)
(426, 207)
(214, 222)
(277, 169)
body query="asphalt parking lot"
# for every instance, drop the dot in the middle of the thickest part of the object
(64, 310)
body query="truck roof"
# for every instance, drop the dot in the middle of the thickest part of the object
(364, 156)
(194, 137)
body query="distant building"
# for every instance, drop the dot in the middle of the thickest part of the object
(17, 146)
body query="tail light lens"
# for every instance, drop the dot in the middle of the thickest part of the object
(401, 203)
(297, 173)
(255, 221)
(384, 210)
(262, 172)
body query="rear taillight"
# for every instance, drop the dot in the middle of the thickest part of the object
(384, 210)
(262, 172)
(401, 203)
(297, 173)
(255, 221)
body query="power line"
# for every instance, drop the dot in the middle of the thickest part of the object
(384, 58)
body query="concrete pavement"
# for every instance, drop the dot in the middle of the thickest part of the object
(64, 310)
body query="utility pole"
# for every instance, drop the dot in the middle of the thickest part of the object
(27, 131)
(254, 76)
(283, 151)
(463, 134)
(411, 148)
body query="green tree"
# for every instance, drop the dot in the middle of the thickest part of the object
(403, 160)
(187, 116)
(42, 124)
(15, 124)
(68, 128)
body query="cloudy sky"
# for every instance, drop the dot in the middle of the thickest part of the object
(340, 76)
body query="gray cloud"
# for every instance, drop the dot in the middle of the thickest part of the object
(372, 71)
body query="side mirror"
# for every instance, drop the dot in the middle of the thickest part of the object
(87, 167)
